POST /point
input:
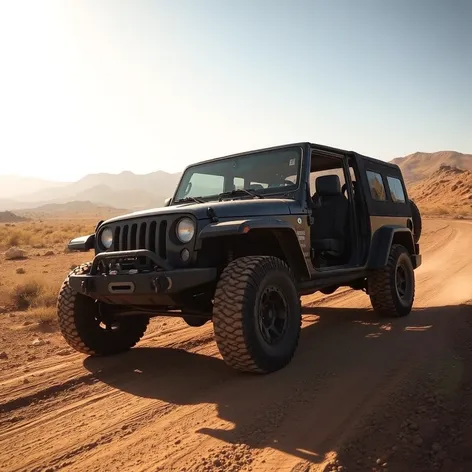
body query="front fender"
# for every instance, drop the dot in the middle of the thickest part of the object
(82, 243)
(382, 242)
(238, 227)
(283, 231)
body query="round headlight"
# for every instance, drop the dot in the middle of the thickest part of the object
(106, 238)
(185, 230)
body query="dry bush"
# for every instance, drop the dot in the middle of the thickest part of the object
(34, 294)
(47, 297)
(44, 314)
(40, 235)
(13, 240)
(14, 237)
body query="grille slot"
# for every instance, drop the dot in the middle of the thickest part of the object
(142, 236)
(116, 240)
(149, 234)
(124, 239)
(132, 241)
(163, 239)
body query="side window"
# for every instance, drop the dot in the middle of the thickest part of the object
(377, 189)
(396, 190)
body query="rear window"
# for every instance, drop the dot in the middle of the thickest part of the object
(377, 189)
(396, 190)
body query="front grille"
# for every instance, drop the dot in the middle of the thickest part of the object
(151, 235)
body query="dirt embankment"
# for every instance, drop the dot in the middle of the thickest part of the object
(447, 192)
(359, 395)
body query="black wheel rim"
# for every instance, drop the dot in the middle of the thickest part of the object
(108, 325)
(402, 282)
(107, 322)
(273, 315)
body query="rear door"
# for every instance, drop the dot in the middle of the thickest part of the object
(385, 194)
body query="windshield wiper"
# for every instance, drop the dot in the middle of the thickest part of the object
(239, 191)
(190, 199)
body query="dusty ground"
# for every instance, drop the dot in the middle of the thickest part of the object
(44, 244)
(359, 394)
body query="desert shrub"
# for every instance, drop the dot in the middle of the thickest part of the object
(41, 235)
(60, 237)
(16, 237)
(47, 297)
(43, 314)
(24, 294)
(13, 240)
(33, 294)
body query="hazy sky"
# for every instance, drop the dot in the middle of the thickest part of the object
(104, 86)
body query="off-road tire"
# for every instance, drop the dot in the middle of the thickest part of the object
(79, 324)
(417, 221)
(382, 285)
(236, 316)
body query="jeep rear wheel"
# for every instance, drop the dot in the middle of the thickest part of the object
(257, 314)
(87, 330)
(392, 288)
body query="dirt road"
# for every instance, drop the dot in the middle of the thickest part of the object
(359, 394)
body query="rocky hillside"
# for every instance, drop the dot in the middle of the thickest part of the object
(447, 191)
(422, 165)
(9, 217)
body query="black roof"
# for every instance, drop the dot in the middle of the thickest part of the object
(352, 153)
(315, 146)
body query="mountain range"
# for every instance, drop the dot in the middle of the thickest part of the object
(124, 190)
(131, 191)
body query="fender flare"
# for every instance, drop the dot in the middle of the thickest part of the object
(382, 241)
(283, 231)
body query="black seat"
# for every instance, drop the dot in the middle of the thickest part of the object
(330, 212)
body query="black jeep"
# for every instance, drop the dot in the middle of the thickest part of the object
(241, 240)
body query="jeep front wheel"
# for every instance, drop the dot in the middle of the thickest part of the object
(86, 330)
(392, 288)
(257, 314)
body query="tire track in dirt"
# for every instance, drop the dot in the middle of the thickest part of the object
(171, 404)
(16, 393)
(45, 393)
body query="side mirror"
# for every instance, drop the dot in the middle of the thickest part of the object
(167, 201)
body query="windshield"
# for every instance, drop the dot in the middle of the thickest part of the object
(264, 173)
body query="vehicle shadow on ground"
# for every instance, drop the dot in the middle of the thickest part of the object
(341, 356)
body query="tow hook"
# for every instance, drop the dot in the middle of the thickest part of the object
(161, 284)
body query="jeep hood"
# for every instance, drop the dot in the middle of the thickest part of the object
(227, 209)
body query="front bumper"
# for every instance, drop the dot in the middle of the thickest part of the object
(160, 287)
